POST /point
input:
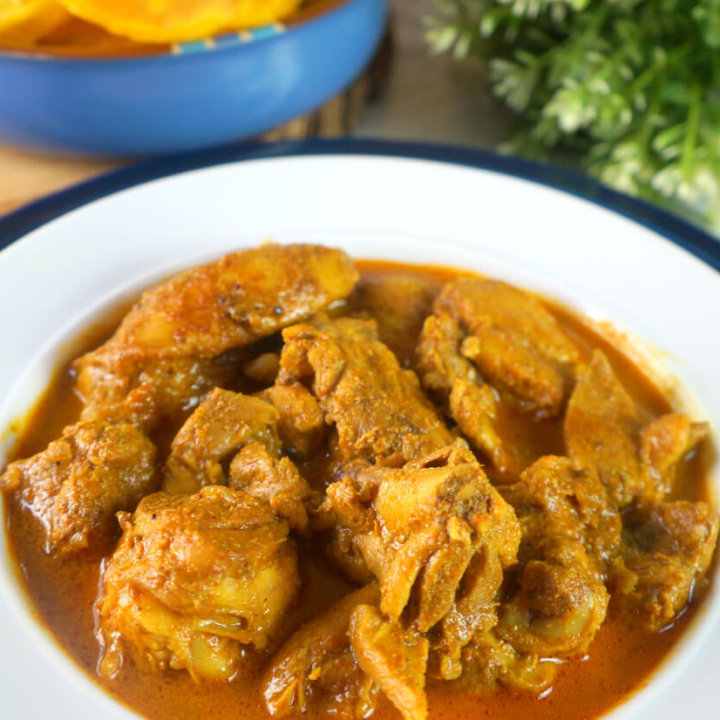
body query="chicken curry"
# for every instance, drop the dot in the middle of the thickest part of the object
(288, 483)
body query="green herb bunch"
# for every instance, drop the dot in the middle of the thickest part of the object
(632, 85)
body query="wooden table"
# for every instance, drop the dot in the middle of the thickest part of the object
(26, 176)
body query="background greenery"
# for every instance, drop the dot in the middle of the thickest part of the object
(631, 86)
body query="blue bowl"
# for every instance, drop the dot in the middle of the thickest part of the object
(199, 95)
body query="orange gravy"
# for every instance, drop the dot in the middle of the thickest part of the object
(620, 660)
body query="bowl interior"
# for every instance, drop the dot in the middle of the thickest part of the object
(445, 215)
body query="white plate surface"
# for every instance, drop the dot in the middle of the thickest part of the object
(411, 210)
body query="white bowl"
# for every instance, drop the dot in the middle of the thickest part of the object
(371, 201)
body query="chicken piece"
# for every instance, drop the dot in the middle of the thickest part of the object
(668, 550)
(301, 422)
(218, 428)
(119, 387)
(475, 302)
(276, 480)
(399, 303)
(378, 409)
(167, 345)
(488, 660)
(575, 500)
(316, 668)
(336, 663)
(603, 430)
(236, 300)
(534, 384)
(475, 409)
(393, 657)
(343, 552)
(194, 581)
(439, 363)
(472, 613)
(263, 368)
(513, 340)
(436, 535)
(76, 485)
(664, 442)
(570, 531)
(233, 438)
(475, 406)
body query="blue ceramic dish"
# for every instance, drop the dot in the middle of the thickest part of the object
(199, 95)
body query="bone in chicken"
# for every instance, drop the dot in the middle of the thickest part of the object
(603, 430)
(337, 663)
(169, 349)
(488, 660)
(570, 531)
(218, 428)
(436, 535)
(76, 485)
(378, 409)
(194, 582)
(485, 411)
(668, 549)
(316, 669)
(513, 340)
(233, 439)
(301, 423)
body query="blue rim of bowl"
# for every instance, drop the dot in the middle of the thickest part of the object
(224, 41)
(30, 217)
(265, 32)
